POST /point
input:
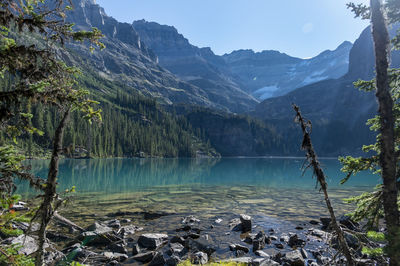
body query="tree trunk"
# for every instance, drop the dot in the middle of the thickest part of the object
(387, 158)
(319, 173)
(46, 208)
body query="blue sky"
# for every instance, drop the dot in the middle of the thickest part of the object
(301, 28)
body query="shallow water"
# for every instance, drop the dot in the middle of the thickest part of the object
(274, 187)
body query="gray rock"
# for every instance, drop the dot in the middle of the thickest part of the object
(259, 241)
(284, 238)
(319, 233)
(152, 241)
(234, 247)
(295, 241)
(273, 238)
(294, 258)
(190, 220)
(239, 253)
(99, 228)
(28, 244)
(135, 249)
(173, 260)
(128, 230)
(352, 240)
(263, 262)
(119, 248)
(199, 258)
(115, 256)
(245, 220)
(304, 253)
(279, 245)
(249, 238)
(218, 221)
(114, 224)
(201, 245)
(178, 239)
(145, 257)
(246, 260)
(176, 248)
(157, 260)
(95, 239)
(235, 224)
(262, 254)
(19, 207)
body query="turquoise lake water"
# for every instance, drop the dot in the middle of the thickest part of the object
(128, 175)
(264, 187)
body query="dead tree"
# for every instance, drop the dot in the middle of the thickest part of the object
(387, 158)
(50, 200)
(318, 172)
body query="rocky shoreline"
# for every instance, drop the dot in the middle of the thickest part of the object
(116, 240)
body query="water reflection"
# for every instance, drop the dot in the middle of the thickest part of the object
(123, 175)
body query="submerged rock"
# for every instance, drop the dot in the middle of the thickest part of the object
(190, 220)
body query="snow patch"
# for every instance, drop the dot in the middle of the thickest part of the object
(265, 92)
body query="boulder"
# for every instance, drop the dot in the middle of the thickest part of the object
(173, 260)
(178, 239)
(235, 247)
(157, 260)
(199, 258)
(28, 244)
(118, 247)
(145, 257)
(262, 254)
(95, 239)
(176, 249)
(99, 228)
(235, 224)
(152, 241)
(294, 258)
(284, 238)
(135, 249)
(295, 241)
(245, 220)
(263, 262)
(259, 241)
(115, 256)
(202, 245)
(249, 238)
(116, 224)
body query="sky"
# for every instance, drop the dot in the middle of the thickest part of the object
(301, 28)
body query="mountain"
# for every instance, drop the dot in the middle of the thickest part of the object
(270, 73)
(197, 66)
(127, 59)
(337, 109)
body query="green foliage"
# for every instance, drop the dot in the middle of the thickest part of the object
(9, 256)
(374, 252)
(376, 236)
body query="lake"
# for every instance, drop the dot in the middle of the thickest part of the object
(274, 187)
